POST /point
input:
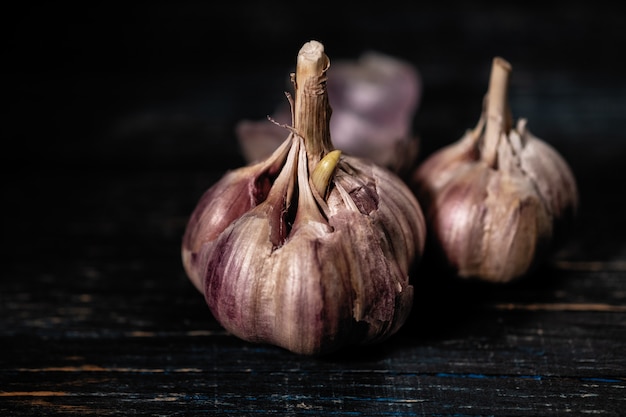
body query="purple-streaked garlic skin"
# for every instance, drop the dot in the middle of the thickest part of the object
(330, 274)
(236, 193)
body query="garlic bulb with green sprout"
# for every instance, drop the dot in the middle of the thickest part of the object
(497, 200)
(374, 99)
(310, 250)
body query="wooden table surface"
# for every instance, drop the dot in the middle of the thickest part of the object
(120, 118)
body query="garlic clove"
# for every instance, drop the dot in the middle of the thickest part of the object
(499, 199)
(324, 171)
(309, 250)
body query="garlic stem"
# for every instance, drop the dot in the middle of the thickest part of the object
(497, 110)
(312, 109)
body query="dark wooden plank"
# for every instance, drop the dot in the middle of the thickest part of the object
(401, 383)
(526, 357)
(287, 392)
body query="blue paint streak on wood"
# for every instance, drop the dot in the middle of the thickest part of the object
(604, 380)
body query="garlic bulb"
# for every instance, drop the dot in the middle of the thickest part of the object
(497, 200)
(374, 100)
(309, 249)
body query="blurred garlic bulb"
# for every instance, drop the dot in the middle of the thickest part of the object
(309, 249)
(374, 100)
(497, 199)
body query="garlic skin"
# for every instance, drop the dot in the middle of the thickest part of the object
(498, 200)
(374, 100)
(309, 249)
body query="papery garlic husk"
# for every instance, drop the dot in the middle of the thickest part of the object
(309, 250)
(374, 100)
(498, 200)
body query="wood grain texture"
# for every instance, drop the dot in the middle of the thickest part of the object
(98, 318)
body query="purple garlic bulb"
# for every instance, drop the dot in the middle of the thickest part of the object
(310, 250)
(497, 200)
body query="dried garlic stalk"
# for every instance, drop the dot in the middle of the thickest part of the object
(374, 100)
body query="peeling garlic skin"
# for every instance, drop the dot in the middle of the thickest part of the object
(400, 217)
(390, 222)
(547, 169)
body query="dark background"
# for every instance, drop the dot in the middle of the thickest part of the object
(88, 83)
(118, 116)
